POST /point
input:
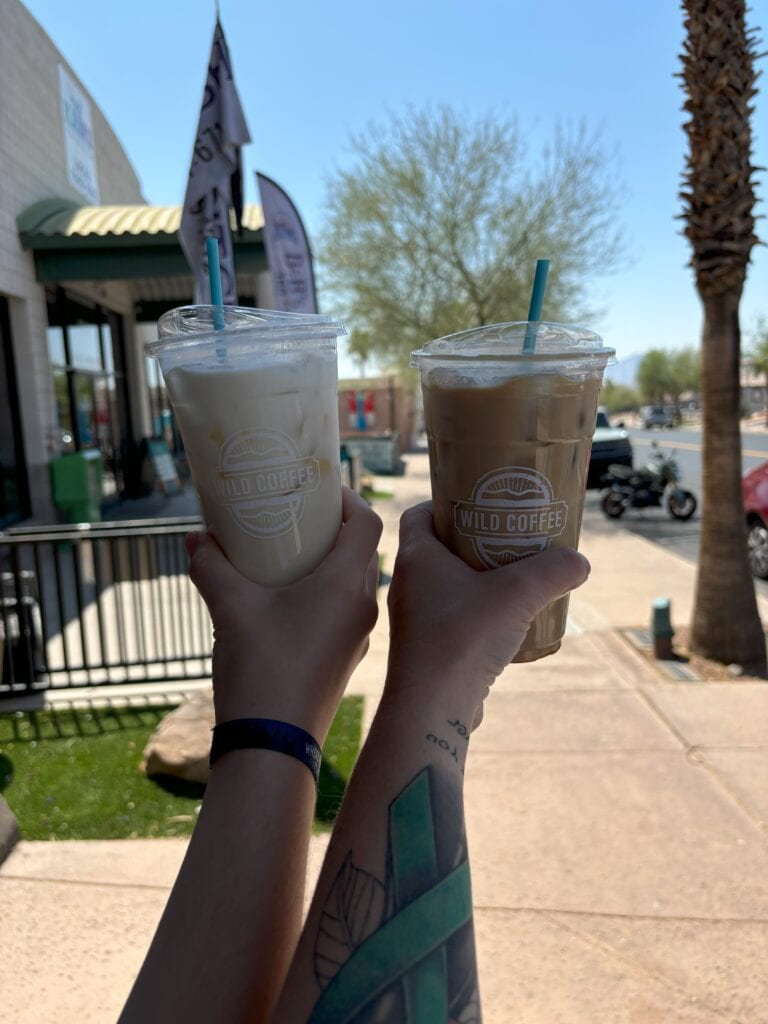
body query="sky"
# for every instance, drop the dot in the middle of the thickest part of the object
(310, 74)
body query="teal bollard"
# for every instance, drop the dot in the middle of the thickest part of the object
(661, 628)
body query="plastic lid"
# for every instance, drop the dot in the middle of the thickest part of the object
(505, 341)
(190, 325)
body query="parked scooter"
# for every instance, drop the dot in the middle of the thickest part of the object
(654, 485)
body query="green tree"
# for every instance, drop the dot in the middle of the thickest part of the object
(663, 375)
(618, 397)
(685, 367)
(758, 352)
(758, 355)
(654, 375)
(718, 195)
(437, 224)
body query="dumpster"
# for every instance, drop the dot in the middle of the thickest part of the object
(76, 480)
(380, 452)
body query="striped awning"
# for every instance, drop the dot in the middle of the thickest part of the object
(55, 222)
(120, 243)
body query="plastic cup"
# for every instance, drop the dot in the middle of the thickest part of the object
(256, 406)
(509, 438)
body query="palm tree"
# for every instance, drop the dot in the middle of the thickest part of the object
(718, 194)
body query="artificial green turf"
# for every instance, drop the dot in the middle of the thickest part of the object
(75, 774)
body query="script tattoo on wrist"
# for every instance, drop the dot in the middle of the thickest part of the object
(450, 749)
(460, 728)
(402, 951)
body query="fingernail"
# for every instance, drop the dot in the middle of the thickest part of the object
(586, 563)
(191, 542)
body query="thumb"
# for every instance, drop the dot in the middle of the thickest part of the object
(540, 579)
(209, 568)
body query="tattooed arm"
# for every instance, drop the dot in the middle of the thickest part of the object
(233, 919)
(389, 936)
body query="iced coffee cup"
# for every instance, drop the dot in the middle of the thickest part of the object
(509, 436)
(254, 394)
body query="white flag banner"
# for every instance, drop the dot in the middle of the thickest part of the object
(288, 252)
(221, 132)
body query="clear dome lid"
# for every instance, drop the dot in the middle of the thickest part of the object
(507, 341)
(188, 326)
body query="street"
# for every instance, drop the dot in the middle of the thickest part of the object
(655, 524)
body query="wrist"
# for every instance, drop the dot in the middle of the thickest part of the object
(423, 688)
(425, 696)
(304, 694)
(285, 699)
(425, 731)
(315, 723)
(266, 734)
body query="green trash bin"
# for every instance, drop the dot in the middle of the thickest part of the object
(76, 482)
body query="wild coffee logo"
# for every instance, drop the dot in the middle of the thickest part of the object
(512, 513)
(263, 480)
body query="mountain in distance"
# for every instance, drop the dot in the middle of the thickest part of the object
(624, 370)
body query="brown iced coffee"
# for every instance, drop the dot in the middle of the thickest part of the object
(509, 439)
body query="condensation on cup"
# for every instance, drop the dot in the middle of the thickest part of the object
(509, 436)
(255, 398)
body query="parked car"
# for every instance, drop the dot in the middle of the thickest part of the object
(663, 416)
(754, 489)
(610, 446)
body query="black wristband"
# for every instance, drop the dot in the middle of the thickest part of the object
(266, 734)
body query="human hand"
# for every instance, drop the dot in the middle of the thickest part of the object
(288, 652)
(453, 628)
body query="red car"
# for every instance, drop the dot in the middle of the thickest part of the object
(754, 488)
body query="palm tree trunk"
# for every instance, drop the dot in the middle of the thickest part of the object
(733, 633)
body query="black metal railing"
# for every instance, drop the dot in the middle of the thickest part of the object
(92, 604)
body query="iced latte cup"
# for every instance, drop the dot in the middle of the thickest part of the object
(254, 394)
(509, 438)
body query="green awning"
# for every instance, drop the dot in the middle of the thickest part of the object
(122, 243)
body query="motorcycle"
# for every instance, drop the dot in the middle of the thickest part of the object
(654, 485)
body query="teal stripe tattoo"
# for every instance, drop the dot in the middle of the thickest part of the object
(404, 941)
(414, 870)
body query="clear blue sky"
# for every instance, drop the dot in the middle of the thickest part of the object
(310, 73)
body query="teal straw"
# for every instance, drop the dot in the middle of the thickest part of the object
(537, 303)
(214, 276)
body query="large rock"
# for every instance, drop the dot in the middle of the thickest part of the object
(9, 830)
(181, 743)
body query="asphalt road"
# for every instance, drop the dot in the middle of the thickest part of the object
(655, 524)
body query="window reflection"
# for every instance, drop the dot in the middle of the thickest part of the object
(56, 346)
(106, 347)
(84, 346)
(64, 439)
(85, 410)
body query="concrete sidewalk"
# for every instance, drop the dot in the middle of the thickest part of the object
(618, 826)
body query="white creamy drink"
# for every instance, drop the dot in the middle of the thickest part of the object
(259, 420)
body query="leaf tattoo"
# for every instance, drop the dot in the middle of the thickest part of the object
(354, 910)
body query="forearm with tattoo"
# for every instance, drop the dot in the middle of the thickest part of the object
(401, 950)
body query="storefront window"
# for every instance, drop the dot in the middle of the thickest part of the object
(106, 347)
(85, 411)
(91, 405)
(84, 347)
(56, 352)
(14, 495)
(64, 438)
